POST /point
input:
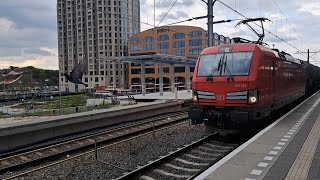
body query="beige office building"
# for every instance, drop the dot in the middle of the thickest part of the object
(178, 40)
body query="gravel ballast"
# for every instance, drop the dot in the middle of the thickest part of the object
(128, 156)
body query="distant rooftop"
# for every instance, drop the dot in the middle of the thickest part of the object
(158, 58)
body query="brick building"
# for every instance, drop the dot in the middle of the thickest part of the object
(186, 41)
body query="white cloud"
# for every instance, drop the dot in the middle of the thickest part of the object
(313, 8)
(53, 52)
(276, 17)
(45, 62)
(6, 24)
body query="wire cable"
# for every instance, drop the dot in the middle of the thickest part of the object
(287, 20)
(167, 13)
(260, 26)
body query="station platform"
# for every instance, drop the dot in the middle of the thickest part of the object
(181, 95)
(21, 133)
(287, 149)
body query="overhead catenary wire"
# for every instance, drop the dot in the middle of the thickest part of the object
(202, 17)
(130, 19)
(204, 7)
(260, 26)
(167, 12)
(287, 20)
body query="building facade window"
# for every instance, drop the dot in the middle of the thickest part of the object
(228, 40)
(179, 52)
(195, 42)
(150, 71)
(147, 47)
(195, 51)
(148, 39)
(178, 44)
(195, 34)
(135, 64)
(163, 37)
(135, 71)
(135, 40)
(163, 52)
(163, 45)
(215, 36)
(221, 38)
(180, 69)
(178, 36)
(135, 48)
(135, 80)
(166, 70)
(150, 63)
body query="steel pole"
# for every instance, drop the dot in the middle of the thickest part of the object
(210, 22)
(161, 79)
(143, 78)
(308, 55)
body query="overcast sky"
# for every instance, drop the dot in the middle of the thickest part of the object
(28, 34)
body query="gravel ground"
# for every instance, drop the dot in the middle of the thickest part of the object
(127, 155)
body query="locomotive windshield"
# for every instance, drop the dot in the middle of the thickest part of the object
(228, 64)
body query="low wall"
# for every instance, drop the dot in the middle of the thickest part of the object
(29, 132)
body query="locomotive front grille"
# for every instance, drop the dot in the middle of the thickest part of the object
(243, 95)
(206, 95)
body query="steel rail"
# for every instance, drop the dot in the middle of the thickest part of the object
(134, 174)
(87, 141)
(93, 151)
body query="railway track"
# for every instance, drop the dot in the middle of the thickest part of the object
(185, 163)
(56, 150)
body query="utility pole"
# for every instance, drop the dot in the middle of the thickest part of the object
(308, 54)
(154, 13)
(210, 22)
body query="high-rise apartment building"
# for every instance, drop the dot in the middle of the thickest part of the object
(93, 31)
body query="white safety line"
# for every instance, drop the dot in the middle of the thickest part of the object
(240, 148)
(268, 158)
(262, 164)
(295, 127)
(277, 148)
(273, 152)
(256, 172)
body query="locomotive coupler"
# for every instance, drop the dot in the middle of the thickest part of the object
(195, 114)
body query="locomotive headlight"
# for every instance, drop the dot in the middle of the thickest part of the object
(253, 96)
(195, 96)
(253, 100)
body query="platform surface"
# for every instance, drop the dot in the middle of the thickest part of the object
(287, 149)
(20, 122)
(181, 95)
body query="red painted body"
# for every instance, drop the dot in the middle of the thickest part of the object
(278, 82)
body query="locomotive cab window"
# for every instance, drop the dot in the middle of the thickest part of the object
(235, 64)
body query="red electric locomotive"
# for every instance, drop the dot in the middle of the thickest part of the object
(237, 85)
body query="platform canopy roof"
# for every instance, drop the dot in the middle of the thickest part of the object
(157, 58)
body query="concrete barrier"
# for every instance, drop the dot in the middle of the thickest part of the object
(22, 134)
